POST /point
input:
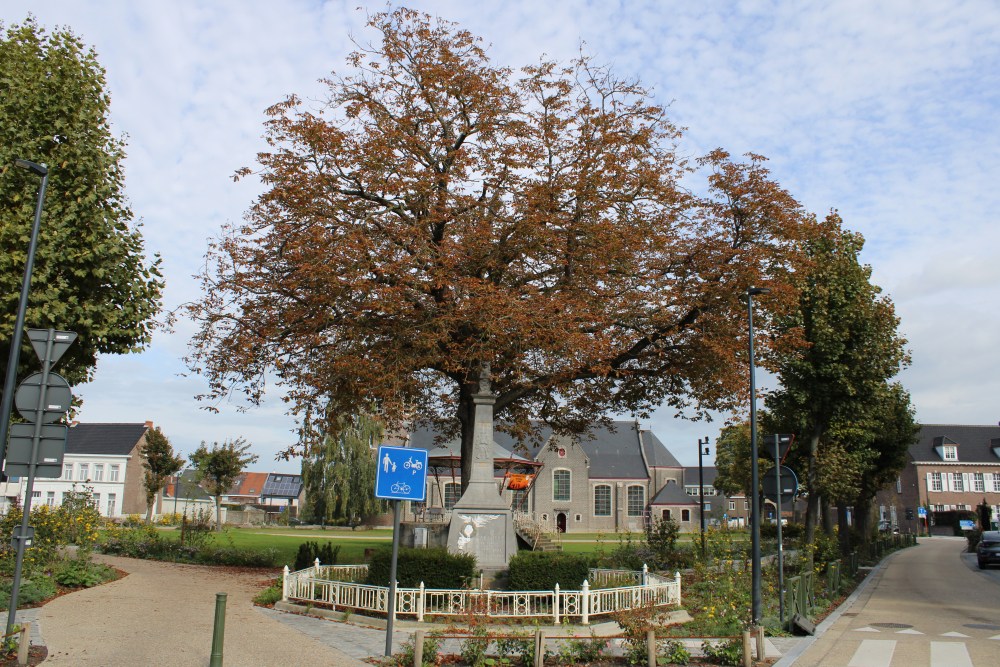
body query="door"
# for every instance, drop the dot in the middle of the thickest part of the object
(561, 522)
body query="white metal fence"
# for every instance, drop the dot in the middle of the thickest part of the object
(336, 586)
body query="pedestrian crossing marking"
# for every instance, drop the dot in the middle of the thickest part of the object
(909, 631)
(950, 654)
(866, 629)
(955, 634)
(873, 653)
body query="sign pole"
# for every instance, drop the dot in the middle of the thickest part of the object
(781, 553)
(392, 579)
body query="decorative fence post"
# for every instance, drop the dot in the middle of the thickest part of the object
(585, 602)
(677, 581)
(284, 585)
(645, 575)
(420, 603)
(316, 567)
(555, 605)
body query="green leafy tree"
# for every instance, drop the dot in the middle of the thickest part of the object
(852, 349)
(159, 462)
(218, 468)
(91, 272)
(338, 470)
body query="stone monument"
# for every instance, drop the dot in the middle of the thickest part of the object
(481, 522)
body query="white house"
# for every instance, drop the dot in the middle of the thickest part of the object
(103, 457)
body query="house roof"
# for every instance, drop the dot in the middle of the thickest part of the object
(441, 454)
(282, 485)
(188, 487)
(709, 473)
(975, 443)
(249, 484)
(673, 494)
(111, 439)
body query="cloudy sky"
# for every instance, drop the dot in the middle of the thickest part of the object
(886, 111)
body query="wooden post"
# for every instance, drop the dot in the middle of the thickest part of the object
(418, 648)
(24, 644)
(747, 660)
(651, 648)
(760, 642)
(539, 648)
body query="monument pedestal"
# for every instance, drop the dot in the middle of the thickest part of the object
(481, 522)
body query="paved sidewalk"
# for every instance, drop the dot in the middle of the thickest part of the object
(163, 614)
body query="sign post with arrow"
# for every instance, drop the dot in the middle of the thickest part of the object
(37, 447)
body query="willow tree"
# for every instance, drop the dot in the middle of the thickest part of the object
(440, 214)
(338, 469)
(92, 274)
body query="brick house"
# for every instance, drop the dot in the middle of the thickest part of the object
(950, 467)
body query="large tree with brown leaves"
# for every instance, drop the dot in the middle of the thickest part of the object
(439, 214)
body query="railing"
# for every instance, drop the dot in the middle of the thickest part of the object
(602, 577)
(308, 586)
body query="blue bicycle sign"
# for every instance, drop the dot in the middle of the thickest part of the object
(401, 473)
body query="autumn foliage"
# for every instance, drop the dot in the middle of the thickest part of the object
(439, 212)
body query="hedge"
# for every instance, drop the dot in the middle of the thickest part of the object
(436, 568)
(541, 571)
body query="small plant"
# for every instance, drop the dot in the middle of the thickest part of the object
(10, 643)
(473, 649)
(517, 644)
(432, 645)
(82, 573)
(583, 650)
(674, 652)
(270, 595)
(724, 653)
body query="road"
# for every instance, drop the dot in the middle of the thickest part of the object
(929, 606)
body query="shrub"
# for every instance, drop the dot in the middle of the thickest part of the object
(473, 649)
(82, 573)
(724, 653)
(518, 644)
(32, 591)
(432, 645)
(674, 652)
(310, 551)
(583, 650)
(435, 567)
(541, 571)
(270, 595)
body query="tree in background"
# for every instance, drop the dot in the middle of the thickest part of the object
(831, 390)
(338, 470)
(218, 468)
(159, 462)
(442, 218)
(91, 273)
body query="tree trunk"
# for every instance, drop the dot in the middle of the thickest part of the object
(149, 509)
(218, 514)
(843, 529)
(825, 519)
(467, 418)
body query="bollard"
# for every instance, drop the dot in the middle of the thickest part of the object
(219, 632)
(651, 648)
(418, 648)
(760, 642)
(747, 660)
(24, 644)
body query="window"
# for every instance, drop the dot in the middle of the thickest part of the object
(97, 502)
(707, 508)
(452, 492)
(560, 485)
(98, 472)
(84, 471)
(67, 471)
(949, 453)
(934, 481)
(732, 505)
(956, 482)
(50, 498)
(111, 504)
(996, 481)
(685, 515)
(899, 485)
(746, 504)
(978, 482)
(519, 499)
(113, 473)
(36, 495)
(938, 508)
(602, 500)
(636, 500)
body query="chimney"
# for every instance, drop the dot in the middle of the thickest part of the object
(149, 424)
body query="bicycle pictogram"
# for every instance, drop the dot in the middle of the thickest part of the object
(400, 487)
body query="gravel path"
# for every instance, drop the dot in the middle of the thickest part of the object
(163, 614)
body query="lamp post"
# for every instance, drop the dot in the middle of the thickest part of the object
(14, 355)
(702, 445)
(754, 482)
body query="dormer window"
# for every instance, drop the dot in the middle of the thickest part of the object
(949, 453)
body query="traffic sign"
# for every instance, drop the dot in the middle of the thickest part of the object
(51, 448)
(401, 473)
(789, 485)
(61, 340)
(58, 398)
(922, 512)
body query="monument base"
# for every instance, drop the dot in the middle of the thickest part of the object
(487, 534)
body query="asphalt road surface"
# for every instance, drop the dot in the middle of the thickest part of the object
(931, 606)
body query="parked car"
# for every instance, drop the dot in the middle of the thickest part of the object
(988, 550)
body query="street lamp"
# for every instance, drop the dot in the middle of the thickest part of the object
(754, 483)
(702, 445)
(14, 354)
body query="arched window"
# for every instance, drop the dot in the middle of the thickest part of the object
(452, 492)
(602, 500)
(636, 500)
(560, 485)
